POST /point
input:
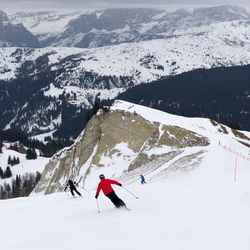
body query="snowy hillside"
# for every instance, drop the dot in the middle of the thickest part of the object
(190, 158)
(68, 81)
(199, 211)
(183, 206)
(131, 139)
(75, 77)
(23, 169)
(206, 93)
(223, 44)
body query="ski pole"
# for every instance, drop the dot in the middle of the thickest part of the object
(65, 190)
(130, 192)
(98, 209)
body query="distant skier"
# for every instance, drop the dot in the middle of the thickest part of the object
(105, 186)
(72, 185)
(143, 179)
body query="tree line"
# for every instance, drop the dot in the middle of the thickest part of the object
(46, 149)
(13, 160)
(20, 186)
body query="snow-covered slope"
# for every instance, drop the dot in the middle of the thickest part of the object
(43, 23)
(132, 139)
(182, 209)
(220, 44)
(198, 211)
(24, 167)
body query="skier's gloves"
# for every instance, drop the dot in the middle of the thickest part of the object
(119, 184)
(96, 196)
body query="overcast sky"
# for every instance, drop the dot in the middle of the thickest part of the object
(76, 4)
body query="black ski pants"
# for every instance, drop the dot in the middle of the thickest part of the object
(116, 200)
(72, 189)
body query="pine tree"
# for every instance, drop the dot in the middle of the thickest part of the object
(34, 155)
(9, 160)
(13, 188)
(15, 147)
(13, 161)
(2, 193)
(1, 173)
(31, 183)
(1, 145)
(7, 173)
(38, 177)
(16, 186)
(24, 190)
(16, 160)
(8, 191)
(31, 154)
(93, 111)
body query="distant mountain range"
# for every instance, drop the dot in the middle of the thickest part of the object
(88, 29)
(43, 90)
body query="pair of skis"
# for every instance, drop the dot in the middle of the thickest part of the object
(98, 208)
(128, 209)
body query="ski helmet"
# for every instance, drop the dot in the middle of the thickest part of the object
(101, 176)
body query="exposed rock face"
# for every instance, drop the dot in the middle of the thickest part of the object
(15, 35)
(121, 141)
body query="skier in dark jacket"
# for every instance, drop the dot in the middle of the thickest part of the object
(105, 186)
(143, 179)
(72, 185)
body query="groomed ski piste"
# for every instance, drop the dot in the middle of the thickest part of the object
(206, 208)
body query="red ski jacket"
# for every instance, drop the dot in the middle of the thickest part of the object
(105, 186)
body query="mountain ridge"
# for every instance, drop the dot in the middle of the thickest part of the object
(15, 34)
(98, 28)
(41, 88)
(112, 144)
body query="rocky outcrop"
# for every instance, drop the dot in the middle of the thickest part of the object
(121, 141)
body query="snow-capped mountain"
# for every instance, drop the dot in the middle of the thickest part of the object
(15, 34)
(131, 139)
(45, 24)
(73, 77)
(41, 88)
(96, 28)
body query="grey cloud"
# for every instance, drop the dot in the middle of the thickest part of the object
(33, 4)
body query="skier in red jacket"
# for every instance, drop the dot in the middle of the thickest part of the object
(105, 186)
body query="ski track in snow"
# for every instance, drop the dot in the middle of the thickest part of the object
(204, 209)
(181, 213)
